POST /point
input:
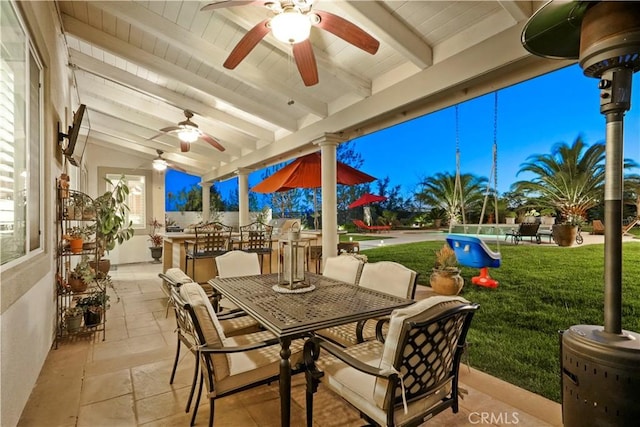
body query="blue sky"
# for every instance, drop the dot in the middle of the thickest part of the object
(532, 117)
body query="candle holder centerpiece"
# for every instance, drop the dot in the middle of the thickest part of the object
(292, 279)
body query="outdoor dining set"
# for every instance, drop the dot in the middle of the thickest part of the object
(354, 329)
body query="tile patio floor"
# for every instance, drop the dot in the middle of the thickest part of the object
(124, 380)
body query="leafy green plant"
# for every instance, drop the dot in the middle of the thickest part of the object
(111, 214)
(510, 214)
(548, 212)
(83, 271)
(73, 311)
(94, 302)
(80, 232)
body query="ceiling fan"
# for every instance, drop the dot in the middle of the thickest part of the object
(188, 132)
(291, 23)
(160, 163)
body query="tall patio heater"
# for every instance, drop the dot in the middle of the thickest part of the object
(600, 365)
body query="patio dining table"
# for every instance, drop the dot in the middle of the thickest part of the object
(294, 315)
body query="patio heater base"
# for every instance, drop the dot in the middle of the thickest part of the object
(600, 377)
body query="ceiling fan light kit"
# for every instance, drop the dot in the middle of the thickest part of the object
(291, 24)
(188, 134)
(160, 165)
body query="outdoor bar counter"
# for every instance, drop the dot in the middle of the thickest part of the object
(174, 255)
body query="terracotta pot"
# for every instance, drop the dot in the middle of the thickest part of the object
(77, 285)
(104, 265)
(564, 234)
(446, 282)
(75, 245)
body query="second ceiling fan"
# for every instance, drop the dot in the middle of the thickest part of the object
(188, 132)
(291, 23)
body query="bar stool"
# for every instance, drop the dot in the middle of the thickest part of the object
(256, 237)
(212, 240)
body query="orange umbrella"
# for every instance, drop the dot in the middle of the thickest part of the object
(306, 172)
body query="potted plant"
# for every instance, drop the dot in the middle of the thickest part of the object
(93, 305)
(73, 318)
(445, 277)
(111, 220)
(510, 217)
(76, 235)
(81, 276)
(155, 239)
(531, 215)
(564, 234)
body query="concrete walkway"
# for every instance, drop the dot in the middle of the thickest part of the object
(398, 237)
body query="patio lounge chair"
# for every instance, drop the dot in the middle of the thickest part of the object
(410, 378)
(598, 227)
(368, 228)
(526, 229)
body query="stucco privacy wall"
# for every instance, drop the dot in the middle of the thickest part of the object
(27, 301)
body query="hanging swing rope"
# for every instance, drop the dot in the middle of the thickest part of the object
(458, 200)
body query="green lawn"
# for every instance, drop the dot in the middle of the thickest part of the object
(361, 237)
(543, 289)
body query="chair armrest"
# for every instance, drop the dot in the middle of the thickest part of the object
(231, 314)
(312, 351)
(240, 348)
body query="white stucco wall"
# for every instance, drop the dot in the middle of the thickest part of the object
(27, 300)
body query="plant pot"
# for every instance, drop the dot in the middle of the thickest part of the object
(509, 220)
(92, 318)
(156, 252)
(75, 245)
(77, 285)
(74, 323)
(104, 265)
(564, 234)
(446, 282)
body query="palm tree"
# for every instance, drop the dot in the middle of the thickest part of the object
(632, 192)
(570, 178)
(438, 191)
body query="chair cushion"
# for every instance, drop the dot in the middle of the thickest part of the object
(389, 277)
(344, 268)
(239, 325)
(178, 276)
(252, 366)
(238, 263)
(358, 388)
(423, 309)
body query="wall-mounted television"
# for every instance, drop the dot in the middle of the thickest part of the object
(76, 137)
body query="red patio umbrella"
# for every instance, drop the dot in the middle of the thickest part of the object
(306, 172)
(367, 199)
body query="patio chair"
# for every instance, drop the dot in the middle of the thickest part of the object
(173, 279)
(345, 268)
(212, 239)
(235, 264)
(598, 227)
(256, 237)
(526, 229)
(228, 364)
(383, 276)
(410, 378)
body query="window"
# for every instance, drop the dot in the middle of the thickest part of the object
(137, 198)
(21, 200)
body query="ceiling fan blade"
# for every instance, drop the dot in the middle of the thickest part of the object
(170, 129)
(306, 62)
(212, 141)
(219, 4)
(155, 136)
(184, 146)
(246, 44)
(347, 31)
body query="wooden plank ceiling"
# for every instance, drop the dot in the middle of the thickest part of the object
(139, 64)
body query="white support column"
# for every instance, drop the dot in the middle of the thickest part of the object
(328, 145)
(243, 196)
(206, 200)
